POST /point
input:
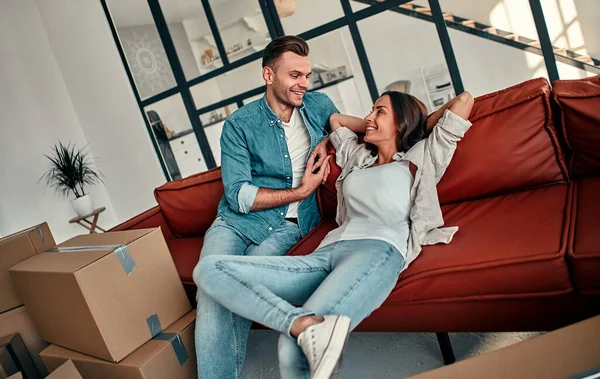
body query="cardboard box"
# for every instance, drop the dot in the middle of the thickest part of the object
(15, 249)
(563, 353)
(20, 356)
(105, 294)
(66, 371)
(169, 355)
(18, 321)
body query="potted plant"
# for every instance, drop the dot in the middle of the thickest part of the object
(70, 171)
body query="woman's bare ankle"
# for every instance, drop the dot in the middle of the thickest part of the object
(301, 323)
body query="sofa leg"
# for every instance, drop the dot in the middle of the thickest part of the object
(446, 348)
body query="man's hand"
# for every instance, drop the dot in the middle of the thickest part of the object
(316, 172)
(313, 175)
(318, 156)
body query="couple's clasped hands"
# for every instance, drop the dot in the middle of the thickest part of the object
(317, 168)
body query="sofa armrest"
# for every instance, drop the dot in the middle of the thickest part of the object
(152, 218)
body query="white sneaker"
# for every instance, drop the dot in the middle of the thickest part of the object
(323, 345)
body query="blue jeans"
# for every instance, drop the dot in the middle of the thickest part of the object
(351, 278)
(221, 335)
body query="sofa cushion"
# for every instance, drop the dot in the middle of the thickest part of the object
(510, 246)
(579, 102)
(190, 205)
(512, 145)
(584, 247)
(186, 253)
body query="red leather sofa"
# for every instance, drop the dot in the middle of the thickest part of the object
(524, 189)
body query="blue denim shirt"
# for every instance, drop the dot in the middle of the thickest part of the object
(254, 153)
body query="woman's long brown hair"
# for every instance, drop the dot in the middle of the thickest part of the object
(411, 119)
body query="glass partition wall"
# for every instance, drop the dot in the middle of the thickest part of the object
(192, 63)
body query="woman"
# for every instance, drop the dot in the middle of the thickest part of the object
(387, 209)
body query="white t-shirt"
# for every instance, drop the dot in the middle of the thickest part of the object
(377, 205)
(298, 141)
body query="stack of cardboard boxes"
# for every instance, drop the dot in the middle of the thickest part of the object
(16, 328)
(111, 303)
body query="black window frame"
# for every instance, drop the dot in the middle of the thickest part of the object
(276, 29)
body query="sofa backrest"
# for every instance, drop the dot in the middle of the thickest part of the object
(579, 112)
(511, 146)
(190, 205)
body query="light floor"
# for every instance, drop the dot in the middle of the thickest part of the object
(381, 355)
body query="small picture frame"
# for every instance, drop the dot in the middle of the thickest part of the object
(333, 74)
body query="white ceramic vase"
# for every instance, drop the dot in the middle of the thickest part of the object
(83, 205)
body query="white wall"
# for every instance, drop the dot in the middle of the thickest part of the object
(588, 14)
(310, 14)
(35, 112)
(398, 47)
(573, 24)
(184, 50)
(242, 79)
(103, 101)
(487, 66)
(3, 220)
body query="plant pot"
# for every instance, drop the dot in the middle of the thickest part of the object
(83, 205)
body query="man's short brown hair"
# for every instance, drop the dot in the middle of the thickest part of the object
(278, 46)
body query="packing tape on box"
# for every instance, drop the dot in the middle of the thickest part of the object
(121, 251)
(176, 344)
(154, 325)
(157, 334)
(40, 233)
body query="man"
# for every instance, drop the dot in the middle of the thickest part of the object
(270, 181)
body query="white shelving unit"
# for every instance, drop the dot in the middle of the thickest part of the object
(253, 23)
(187, 154)
(438, 85)
(217, 62)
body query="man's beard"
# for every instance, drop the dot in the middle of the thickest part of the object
(282, 94)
